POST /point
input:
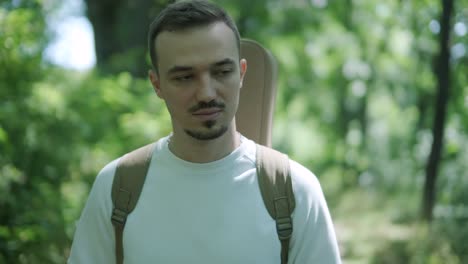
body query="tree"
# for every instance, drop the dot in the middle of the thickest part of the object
(32, 227)
(120, 29)
(442, 71)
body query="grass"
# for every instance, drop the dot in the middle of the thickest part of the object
(365, 221)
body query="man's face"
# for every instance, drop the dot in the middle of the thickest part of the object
(199, 77)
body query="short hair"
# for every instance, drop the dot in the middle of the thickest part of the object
(184, 15)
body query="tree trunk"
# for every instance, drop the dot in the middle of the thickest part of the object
(442, 72)
(120, 30)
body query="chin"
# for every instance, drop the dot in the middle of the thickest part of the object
(207, 134)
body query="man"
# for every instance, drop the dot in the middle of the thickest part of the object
(201, 201)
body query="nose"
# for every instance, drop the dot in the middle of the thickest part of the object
(206, 90)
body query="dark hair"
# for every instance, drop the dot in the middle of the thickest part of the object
(187, 14)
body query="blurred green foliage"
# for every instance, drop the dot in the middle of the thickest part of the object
(355, 105)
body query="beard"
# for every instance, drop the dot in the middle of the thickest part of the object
(210, 131)
(209, 134)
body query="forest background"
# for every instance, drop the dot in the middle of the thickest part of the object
(373, 98)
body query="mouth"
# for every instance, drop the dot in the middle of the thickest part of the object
(207, 113)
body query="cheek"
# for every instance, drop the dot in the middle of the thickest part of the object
(234, 90)
(178, 103)
(232, 100)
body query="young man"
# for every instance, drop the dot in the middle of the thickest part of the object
(201, 201)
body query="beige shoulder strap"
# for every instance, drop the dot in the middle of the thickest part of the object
(273, 177)
(128, 182)
(276, 187)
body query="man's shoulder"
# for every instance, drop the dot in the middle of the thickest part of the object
(109, 169)
(299, 170)
(304, 180)
(106, 175)
(155, 146)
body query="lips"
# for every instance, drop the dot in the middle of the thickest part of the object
(207, 113)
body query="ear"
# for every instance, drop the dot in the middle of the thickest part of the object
(154, 79)
(243, 70)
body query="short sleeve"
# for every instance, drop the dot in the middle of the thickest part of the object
(314, 239)
(94, 240)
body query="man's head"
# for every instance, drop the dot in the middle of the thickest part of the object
(198, 69)
(185, 15)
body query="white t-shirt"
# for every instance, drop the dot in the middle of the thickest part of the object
(205, 213)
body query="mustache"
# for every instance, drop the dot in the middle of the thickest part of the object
(203, 105)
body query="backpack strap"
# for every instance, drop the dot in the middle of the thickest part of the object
(276, 187)
(126, 188)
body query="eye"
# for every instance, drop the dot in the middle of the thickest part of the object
(223, 72)
(183, 77)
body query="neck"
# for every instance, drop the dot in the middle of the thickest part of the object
(203, 151)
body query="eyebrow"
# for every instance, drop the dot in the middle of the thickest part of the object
(175, 69)
(179, 69)
(227, 61)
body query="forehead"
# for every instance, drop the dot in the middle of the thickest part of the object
(197, 46)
